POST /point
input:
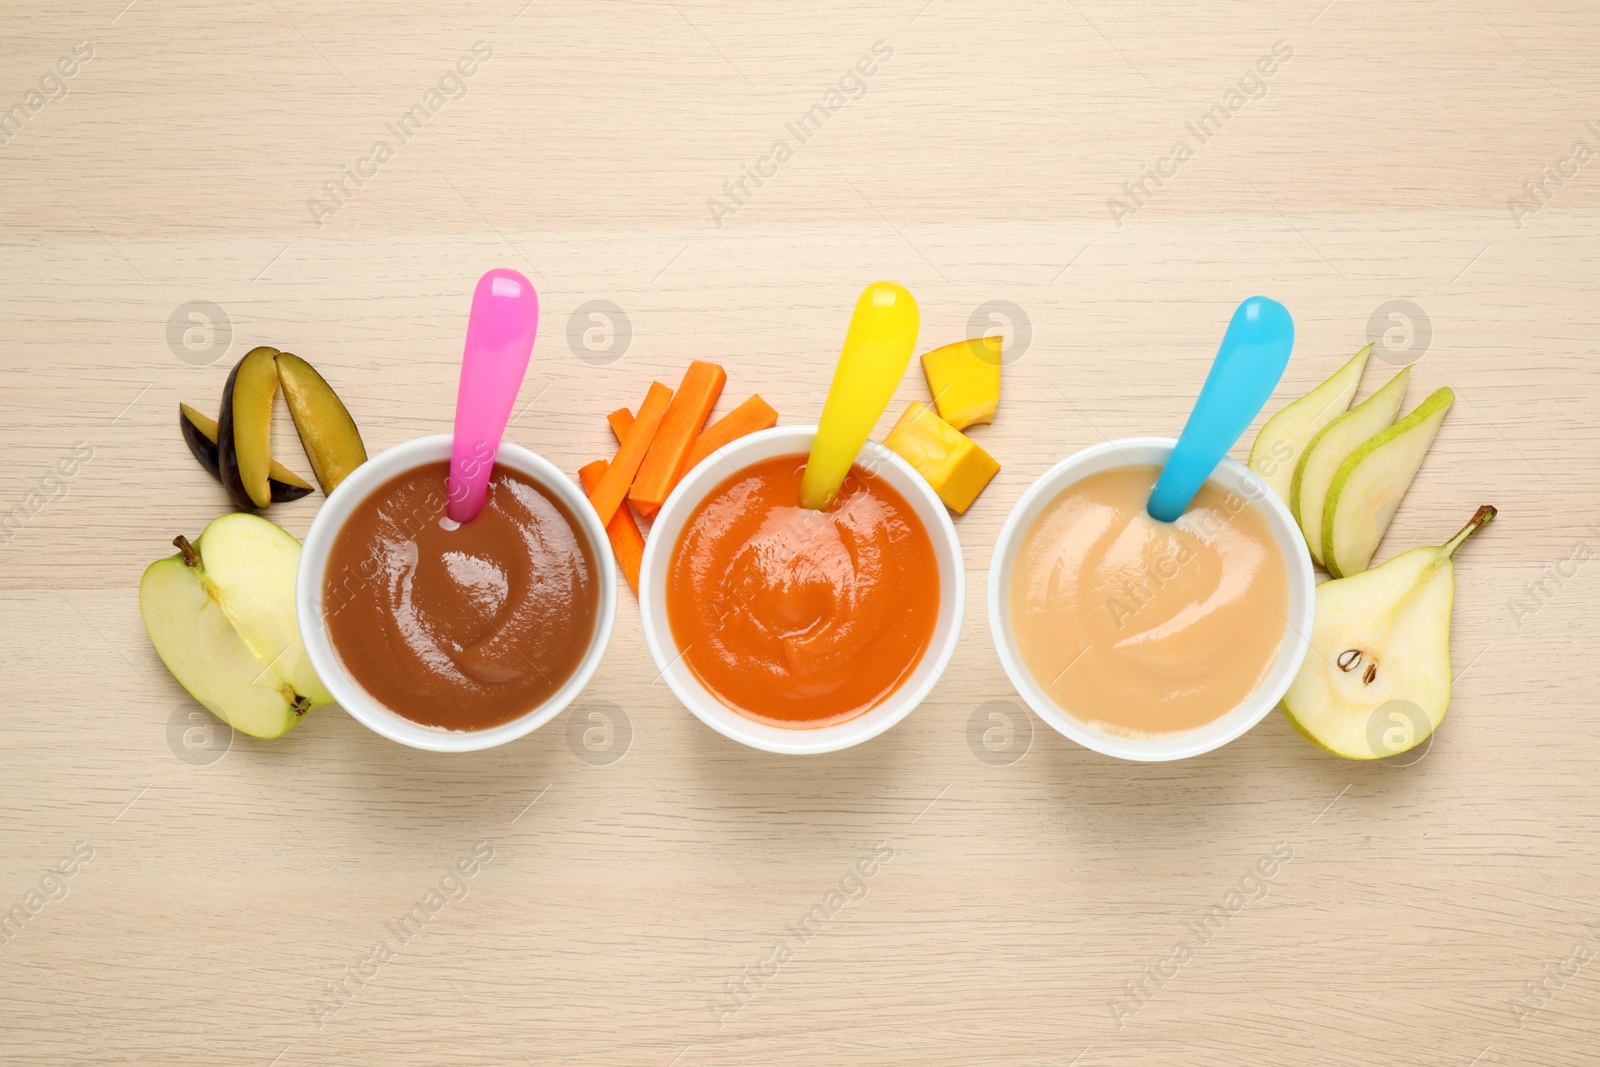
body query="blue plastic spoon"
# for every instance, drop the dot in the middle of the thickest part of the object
(1249, 363)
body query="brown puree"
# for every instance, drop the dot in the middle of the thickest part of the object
(462, 628)
(1140, 627)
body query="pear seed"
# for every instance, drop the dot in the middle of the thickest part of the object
(1349, 659)
(1372, 672)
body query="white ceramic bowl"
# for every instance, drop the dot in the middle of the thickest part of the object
(1231, 476)
(314, 562)
(664, 533)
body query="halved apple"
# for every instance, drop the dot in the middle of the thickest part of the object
(221, 616)
(249, 566)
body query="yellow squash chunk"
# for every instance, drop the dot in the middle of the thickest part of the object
(964, 379)
(956, 467)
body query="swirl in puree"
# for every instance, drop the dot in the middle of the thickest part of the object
(1140, 627)
(802, 618)
(461, 627)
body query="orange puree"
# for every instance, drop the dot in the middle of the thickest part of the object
(802, 618)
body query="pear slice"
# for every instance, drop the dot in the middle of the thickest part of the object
(1368, 486)
(1320, 461)
(1376, 682)
(1282, 441)
(195, 625)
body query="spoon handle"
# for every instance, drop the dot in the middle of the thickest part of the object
(877, 348)
(1249, 363)
(500, 329)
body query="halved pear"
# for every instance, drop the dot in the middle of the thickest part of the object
(194, 625)
(1376, 681)
(1368, 486)
(1320, 461)
(1282, 441)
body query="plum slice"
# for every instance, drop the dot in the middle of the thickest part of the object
(200, 434)
(244, 429)
(329, 434)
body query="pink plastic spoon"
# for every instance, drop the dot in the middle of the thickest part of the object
(505, 316)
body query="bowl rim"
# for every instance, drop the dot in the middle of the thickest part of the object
(692, 489)
(1230, 475)
(347, 692)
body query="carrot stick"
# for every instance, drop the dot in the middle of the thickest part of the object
(754, 414)
(664, 463)
(615, 482)
(620, 420)
(627, 543)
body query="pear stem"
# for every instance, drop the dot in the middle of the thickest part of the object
(190, 556)
(1480, 518)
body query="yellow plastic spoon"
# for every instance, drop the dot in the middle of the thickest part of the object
(877, 348)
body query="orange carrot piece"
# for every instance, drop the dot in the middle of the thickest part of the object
(627, 543)
(754, 414)
(620, 420)
(664, 463)
(614, 484)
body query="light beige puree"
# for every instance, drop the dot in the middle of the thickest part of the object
(1141, 627)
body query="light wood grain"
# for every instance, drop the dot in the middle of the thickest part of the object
(222, 899)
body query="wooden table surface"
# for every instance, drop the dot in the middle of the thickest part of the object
(654, 894)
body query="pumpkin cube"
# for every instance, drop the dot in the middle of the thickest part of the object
(964, 379)
(956, 467)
